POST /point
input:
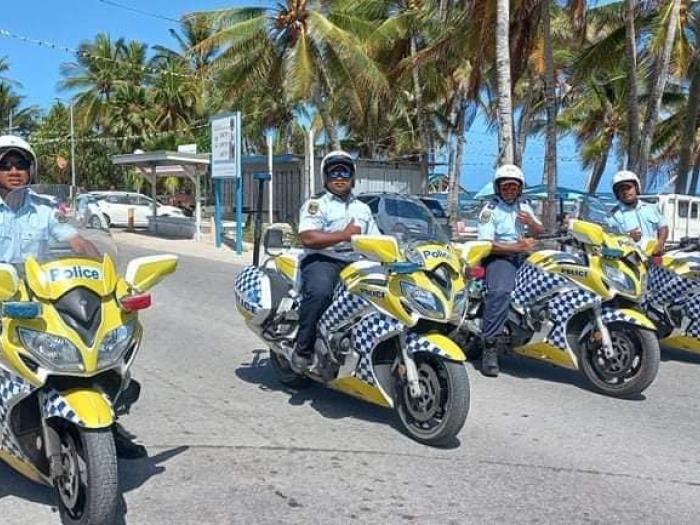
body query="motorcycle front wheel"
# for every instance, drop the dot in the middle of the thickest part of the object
(88, 485)
(633, 367)
(438, 414)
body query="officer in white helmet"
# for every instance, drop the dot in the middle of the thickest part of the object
(640, 220)
(509, 222)
(28, 222)
(327, 220)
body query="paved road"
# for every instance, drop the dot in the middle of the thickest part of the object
(229, 446)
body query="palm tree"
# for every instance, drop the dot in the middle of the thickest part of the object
(670, 14)
(95, 76)
(506, 149)
(301, 41)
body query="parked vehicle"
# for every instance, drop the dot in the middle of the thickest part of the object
(382, 339)
(580, 310)
(70, 335)
(672, 301)
(439, 213)
(114, 208)
(682, 212)
(398, 214)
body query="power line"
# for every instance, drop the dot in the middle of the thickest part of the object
(84, 54)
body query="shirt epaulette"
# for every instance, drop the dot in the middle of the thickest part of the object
(319, 194)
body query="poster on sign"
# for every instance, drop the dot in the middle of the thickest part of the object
(225, 142)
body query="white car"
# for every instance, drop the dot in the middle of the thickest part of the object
(114, 208)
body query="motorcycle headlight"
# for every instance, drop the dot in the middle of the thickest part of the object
(425, 301)
(115, 344)
(619, 280)
(51, 351)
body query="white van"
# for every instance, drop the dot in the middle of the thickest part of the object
(682, 212)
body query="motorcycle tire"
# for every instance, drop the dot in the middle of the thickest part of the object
(88, 487)
(439, 414)
(286, 375)
(632, 371)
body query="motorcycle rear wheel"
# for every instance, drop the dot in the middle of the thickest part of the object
(286, 375)
(631, 371)
(88, 487)
(437, 416)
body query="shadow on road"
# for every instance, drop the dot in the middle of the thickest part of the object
(524, 368)
(132, 474)
(671, 354)
(327, 402)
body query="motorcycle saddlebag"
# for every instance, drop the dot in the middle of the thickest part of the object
(258, 293)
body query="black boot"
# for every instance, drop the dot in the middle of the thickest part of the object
(489, 359)
(126, 448)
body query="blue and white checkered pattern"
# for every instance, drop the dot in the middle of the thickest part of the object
(664, 286)
(692, 310)
(55, 405)
(614, 316)
(12, 389)
(344, 308)
(248, 289)
(366, 335)
(562, 308)
(417, 343)
(531, 283)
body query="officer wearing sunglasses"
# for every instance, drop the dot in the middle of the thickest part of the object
(28, 222)
(326, 221)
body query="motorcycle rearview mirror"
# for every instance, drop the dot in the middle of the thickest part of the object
(9, 281)
(144, 273)
(274, 242)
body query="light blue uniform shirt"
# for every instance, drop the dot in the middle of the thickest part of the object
(329, 213)
(643, 215)
(498, 221)
(28, 230)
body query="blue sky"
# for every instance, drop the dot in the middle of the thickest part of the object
(68, 22)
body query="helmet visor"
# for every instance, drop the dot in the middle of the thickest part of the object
(339, 171)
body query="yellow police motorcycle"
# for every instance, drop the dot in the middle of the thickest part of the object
(673, 297)
(383, 337)
(578, 309)
(70, 334)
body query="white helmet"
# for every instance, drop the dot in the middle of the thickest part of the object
(508, 172)
(21, 147)
(625, 176)
(335, 158)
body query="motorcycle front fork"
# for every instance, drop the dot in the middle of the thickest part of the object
(606, 340)
(409, 368)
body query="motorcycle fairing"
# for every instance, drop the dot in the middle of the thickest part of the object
(85, 408)
(12, 390)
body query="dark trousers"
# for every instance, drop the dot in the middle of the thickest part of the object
(500, 282)
(319, 276)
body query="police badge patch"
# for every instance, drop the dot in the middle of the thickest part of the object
(485, 216)
(312, 208)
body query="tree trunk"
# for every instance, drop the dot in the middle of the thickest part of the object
(453, 184)
(327, 119)
(550, 167)
(506, 152)
(422, 118)
(690, 129)
(633, 128)
(597, 173)
(657, 91)
(693, 190)
(522, 129)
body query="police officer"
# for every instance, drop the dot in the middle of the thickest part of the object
(27, 222)
(504, 222)
(326, 221)
(640, 220)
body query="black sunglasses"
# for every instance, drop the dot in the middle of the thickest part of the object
(340, 172)
(20, 164)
